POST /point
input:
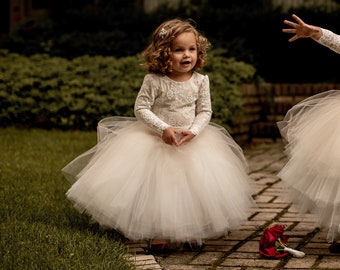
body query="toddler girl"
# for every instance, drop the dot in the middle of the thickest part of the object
(168, 173)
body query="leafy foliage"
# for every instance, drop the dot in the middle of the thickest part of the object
(54, 92)
(250, 31)
(226, 75)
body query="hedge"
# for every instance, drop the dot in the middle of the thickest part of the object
(55, 92)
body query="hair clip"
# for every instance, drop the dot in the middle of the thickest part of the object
(162, 33)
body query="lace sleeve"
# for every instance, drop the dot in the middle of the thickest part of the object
(330, 40)
(203, 107)
(143, 104)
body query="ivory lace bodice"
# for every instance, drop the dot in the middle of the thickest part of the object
(163, 102)
(330, 40)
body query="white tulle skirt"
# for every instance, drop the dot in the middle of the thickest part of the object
(133, 182)
(312, 173)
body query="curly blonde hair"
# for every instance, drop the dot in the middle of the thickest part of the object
(158, 54)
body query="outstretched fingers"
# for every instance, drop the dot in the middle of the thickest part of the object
(291, 24)
(297, 19)
(297, 28)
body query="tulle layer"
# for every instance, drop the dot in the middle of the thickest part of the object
(135, 183)
(312, 130)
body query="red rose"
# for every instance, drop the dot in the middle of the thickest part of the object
(270, 240)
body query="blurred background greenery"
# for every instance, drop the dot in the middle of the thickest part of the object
(67, 64)
(248, 30)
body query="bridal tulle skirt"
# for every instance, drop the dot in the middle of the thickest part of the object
(312, 173)
(133, 182)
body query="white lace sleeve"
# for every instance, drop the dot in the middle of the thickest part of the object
(330, 40)
(143, 105)
(203, 107)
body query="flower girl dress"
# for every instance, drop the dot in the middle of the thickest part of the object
(135, 183)
(311, 129)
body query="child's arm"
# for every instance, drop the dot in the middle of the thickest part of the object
(143, 104)
(203, 113)
(203, 108)
(330, 40)
(143, 112)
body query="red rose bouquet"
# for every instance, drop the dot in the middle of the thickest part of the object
(273, 244)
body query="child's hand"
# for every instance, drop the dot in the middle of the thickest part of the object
(300, 29)
(177, 137)
(170, 136)
(186, 136)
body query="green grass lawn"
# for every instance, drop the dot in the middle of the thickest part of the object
(39, 228)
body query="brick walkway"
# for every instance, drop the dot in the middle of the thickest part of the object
(240, 250)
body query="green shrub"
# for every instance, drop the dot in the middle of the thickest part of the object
(76, 28)
(226, 75)
(53, 92)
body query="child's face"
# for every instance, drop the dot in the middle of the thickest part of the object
(183, 53)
